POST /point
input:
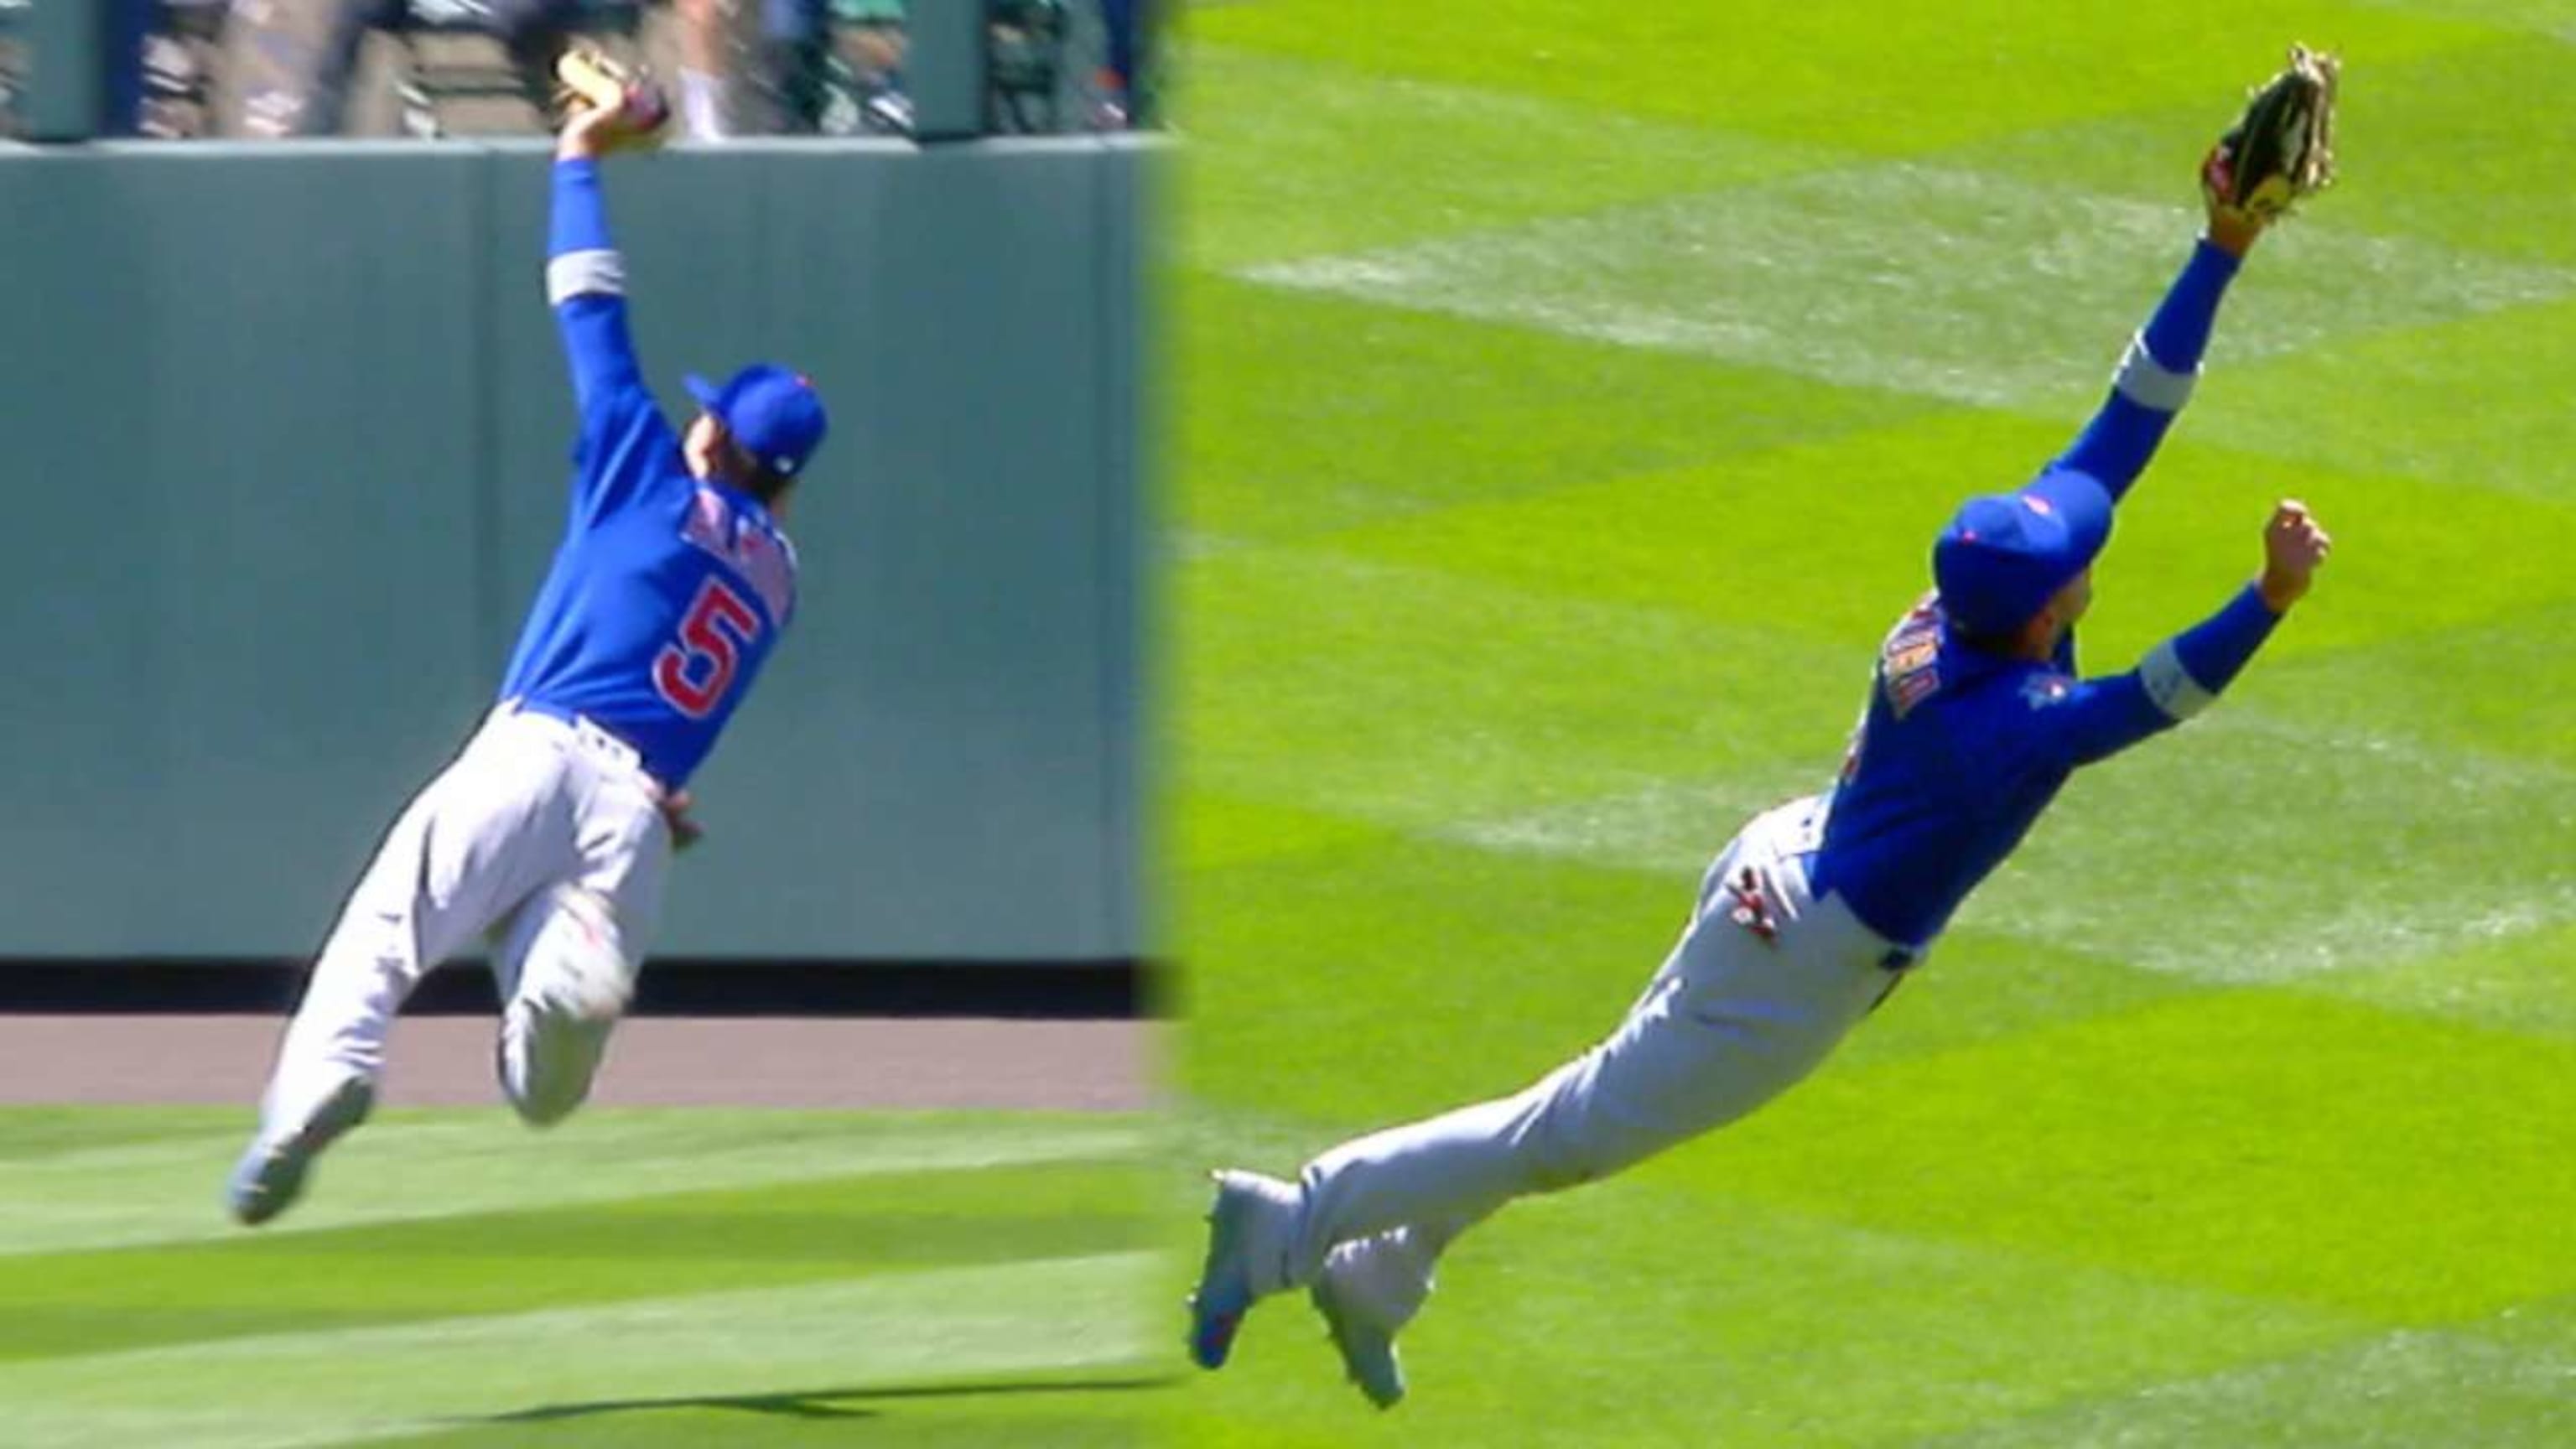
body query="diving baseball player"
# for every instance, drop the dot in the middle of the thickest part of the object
(553, 829)
(1816, 910)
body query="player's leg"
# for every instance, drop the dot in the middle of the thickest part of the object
(1375, 1214)
(556, 1019)
(493, 826)
(1731, 1020)
(1367, 1291)
(1430, 1181)
(462, 854)
(568, 965)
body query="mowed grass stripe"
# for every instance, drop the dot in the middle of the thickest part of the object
(1538, 958)
(1659, 719)
(2000, 293)
(1405, 695)
(2502, 1381)
(1315, 413)
(1661, 1309)
(2205, 857)
(1271, 179)
(773, 1235)
(34, 1134)
(2426, 151)
(1824, 541)
(413, 1165)
(2542, 17)
(333, 1386)
(2307, 1170)
(2454, 405)
(1553, 556)
(2271, 1143)
(2514, 982)
(1268, 175)
(1016, 1414)
(2486, 434)
(1890, 79)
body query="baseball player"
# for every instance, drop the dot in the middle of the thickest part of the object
(1816, 910)
(552, 830)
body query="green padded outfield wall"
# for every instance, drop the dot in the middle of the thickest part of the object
(285, 438)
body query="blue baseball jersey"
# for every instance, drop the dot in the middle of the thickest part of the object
(668, 592)
(1959, 749)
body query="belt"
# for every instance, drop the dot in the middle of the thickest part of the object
(591, 735)
(1751, 893)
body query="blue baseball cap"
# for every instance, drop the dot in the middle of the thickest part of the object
(773, 413)
(2003, 556)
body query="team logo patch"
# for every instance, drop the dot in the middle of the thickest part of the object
(1907, 661)
(2042, 690)
(1904, 691)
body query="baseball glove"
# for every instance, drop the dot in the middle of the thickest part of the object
(590, 79)
(2281, 151)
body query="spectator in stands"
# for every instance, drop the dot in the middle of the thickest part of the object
(533, 32)
(181, 55)
(1118, 104)
(786, 91)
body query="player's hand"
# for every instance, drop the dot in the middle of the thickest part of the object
(685, 832)
(2230, 229)
(607, 106)
(2294, 547)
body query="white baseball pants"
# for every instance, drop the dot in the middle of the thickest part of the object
(545, 834)
(1763, 984)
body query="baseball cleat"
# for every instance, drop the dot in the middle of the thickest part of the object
(271, 1174)
(1364, 1340)
(1225, 1292)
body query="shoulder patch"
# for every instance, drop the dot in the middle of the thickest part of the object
(1909, 663)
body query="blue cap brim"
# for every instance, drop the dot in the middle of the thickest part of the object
(709, 396)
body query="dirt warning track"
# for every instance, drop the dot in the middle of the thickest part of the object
(865, 1063)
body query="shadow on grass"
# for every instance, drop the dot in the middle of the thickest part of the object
(850, 1403)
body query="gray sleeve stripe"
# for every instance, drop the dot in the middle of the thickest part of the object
(2149, 383)
(576, 274)
(2170, 685)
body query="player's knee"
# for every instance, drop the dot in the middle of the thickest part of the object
(1555, 1171)
(1560, 1145)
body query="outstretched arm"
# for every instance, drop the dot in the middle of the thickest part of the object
(2182, 676)
(2280, 151)
(2156, 375)
(585, 276)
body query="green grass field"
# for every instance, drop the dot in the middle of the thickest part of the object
(1569, 398)
(644, 1278)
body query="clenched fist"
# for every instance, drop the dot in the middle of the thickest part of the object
(2294, 545)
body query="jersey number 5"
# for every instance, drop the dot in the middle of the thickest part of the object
(694, 672)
